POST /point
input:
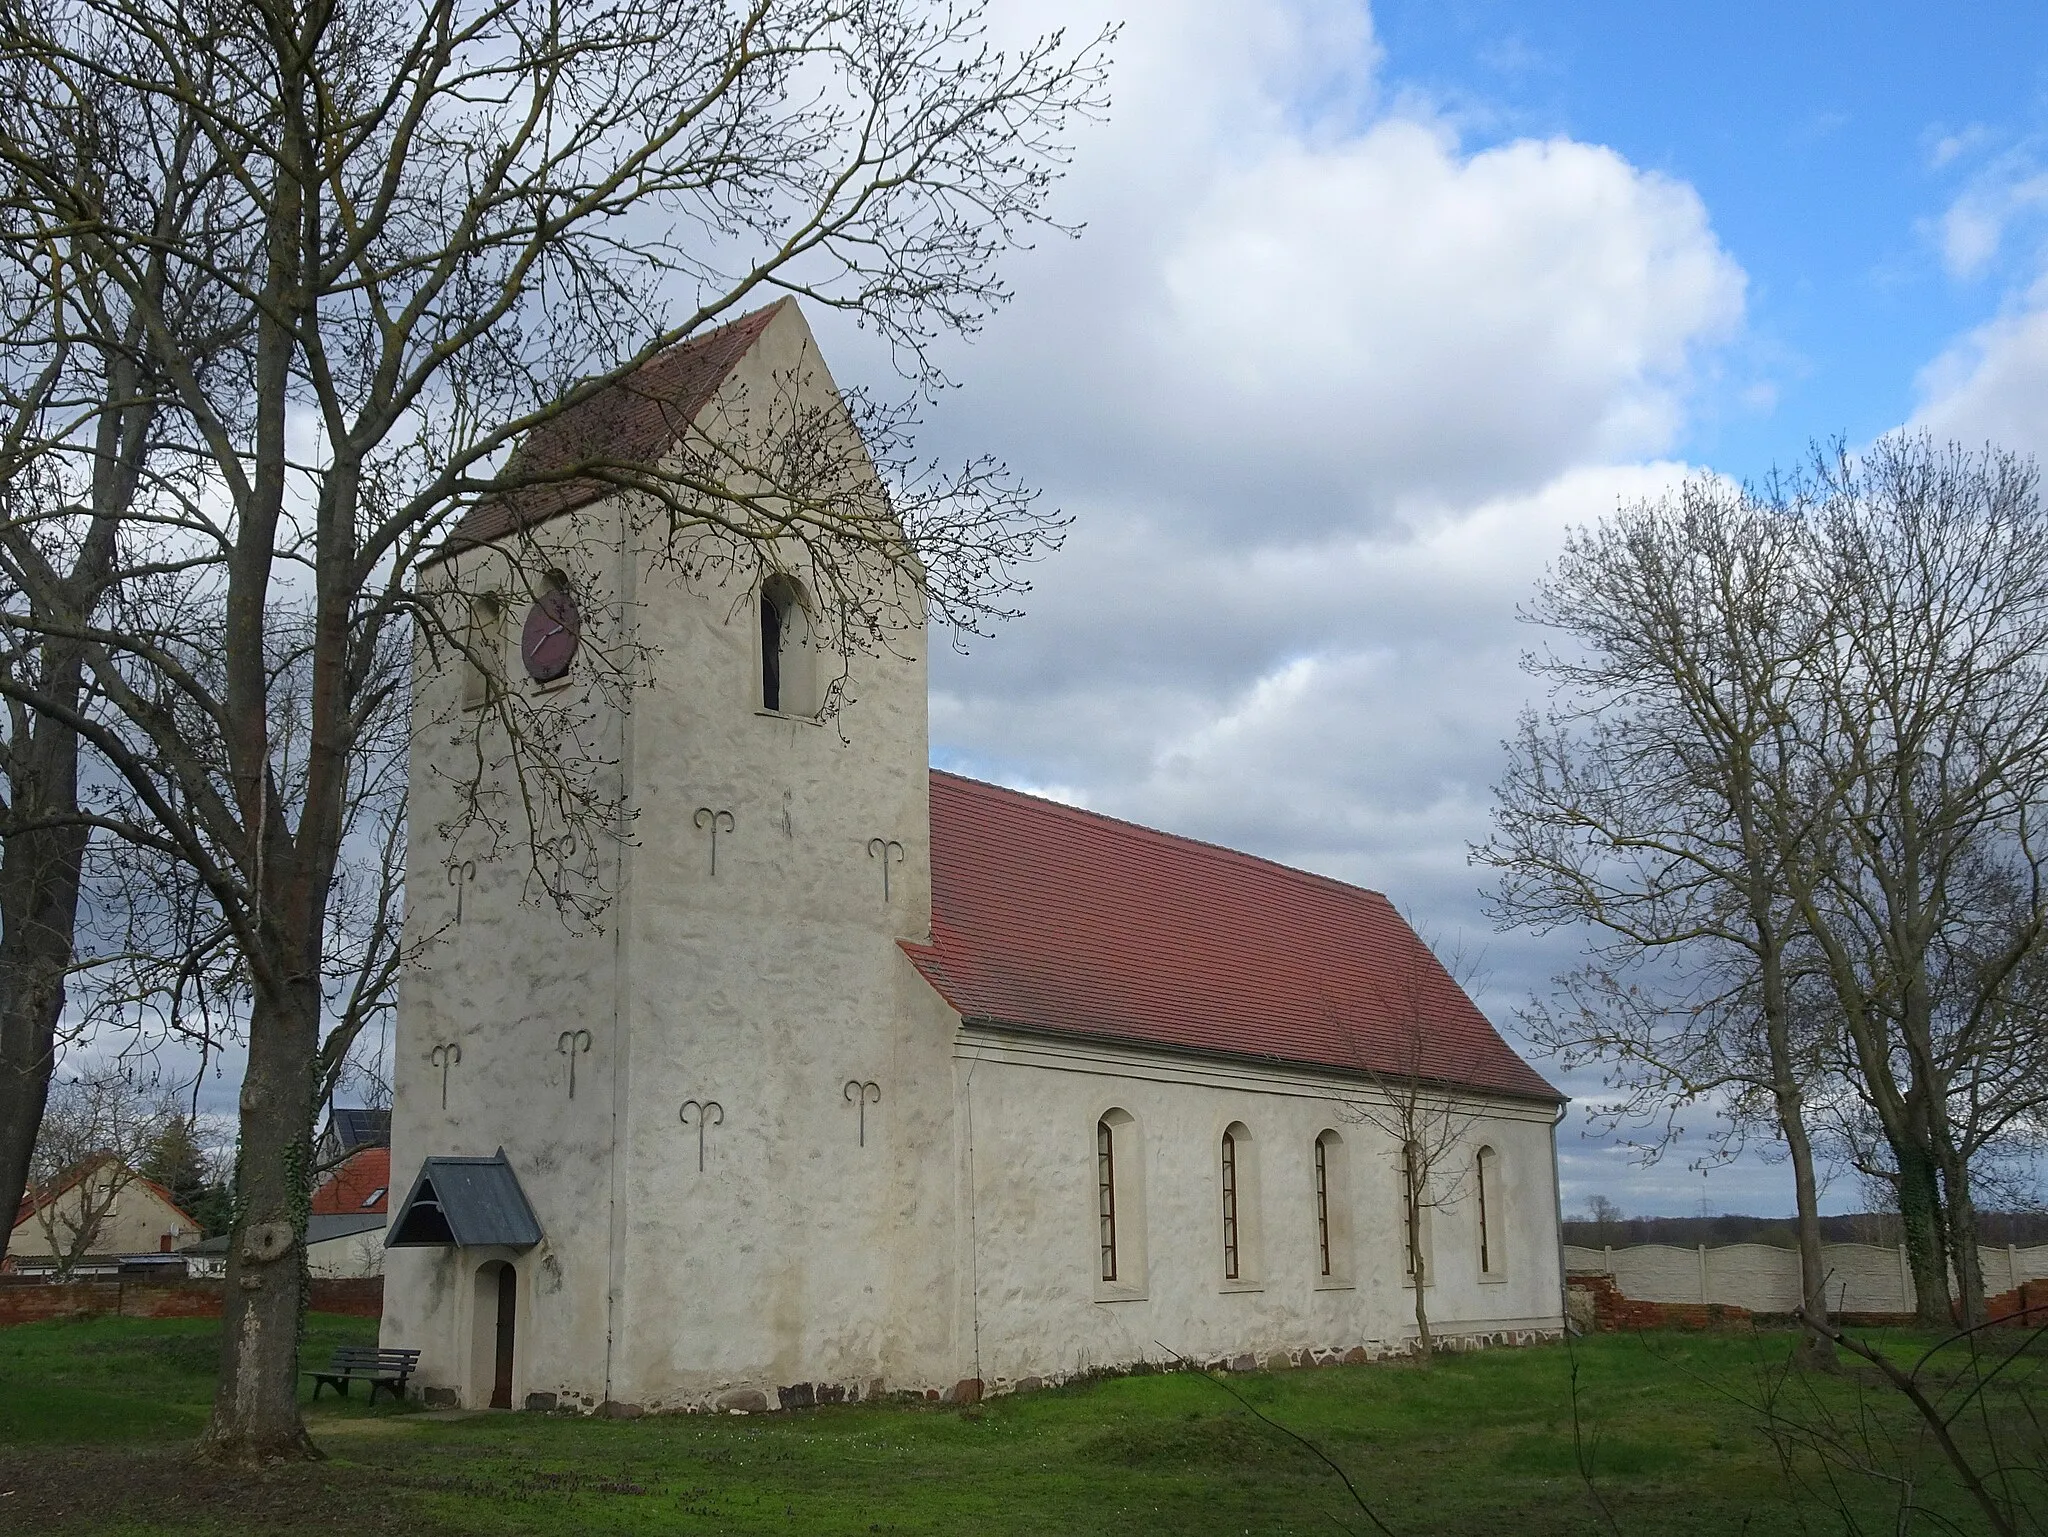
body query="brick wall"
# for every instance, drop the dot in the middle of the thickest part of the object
(1612, 1310)
(28, 1301)
(2026, 1304)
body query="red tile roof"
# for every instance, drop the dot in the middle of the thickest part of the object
(634, 421)
(360, 1183)
(1052, 919)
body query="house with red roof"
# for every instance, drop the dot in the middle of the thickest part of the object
(97, 1212)
(745, 1061)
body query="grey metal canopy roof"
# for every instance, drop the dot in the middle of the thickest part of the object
(468, 1202)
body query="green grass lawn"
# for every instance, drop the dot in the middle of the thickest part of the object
(95, 1418)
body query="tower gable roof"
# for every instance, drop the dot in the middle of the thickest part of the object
(634, 421)
(1049, 918)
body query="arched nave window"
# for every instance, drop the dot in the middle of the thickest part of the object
(1332, 1210)
(1237, 1167)
(1414, 1215)
(1119, 1207)
(1105, 1193)
(1230, 1266)
(1486, 1176)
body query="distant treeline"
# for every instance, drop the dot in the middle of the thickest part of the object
(2024, 1228)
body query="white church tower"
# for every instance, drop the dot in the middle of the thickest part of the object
(704, 1094)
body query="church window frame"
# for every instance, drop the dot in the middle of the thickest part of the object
(1105, 1196)
(1493, 1256)
(1415, 1199)
(484, 641)
(1240, 1245)
(1230, 1249)
(1322, 1156)
(1334, 1254)
(1117, 1170)
(786, 659)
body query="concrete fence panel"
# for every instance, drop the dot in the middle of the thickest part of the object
(1655, 1272)
(1760, 1277)
(1862, 1278)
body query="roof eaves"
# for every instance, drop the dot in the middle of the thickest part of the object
(1263, 1059)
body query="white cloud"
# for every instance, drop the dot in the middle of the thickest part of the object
(1322, 385)
(1989, 385)
(1945, 146)
(1293, 300)
(1400, 318)
(2009, 191)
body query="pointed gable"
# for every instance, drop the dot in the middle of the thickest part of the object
(1049, 918)
(634, 421)
(470, 1202)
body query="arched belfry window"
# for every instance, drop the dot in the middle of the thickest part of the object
(775, 610)
(788, 654)
(483, 667)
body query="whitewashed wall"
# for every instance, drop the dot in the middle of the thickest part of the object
(1862, 1278)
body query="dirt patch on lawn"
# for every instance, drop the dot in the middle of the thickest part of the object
(79, 1489)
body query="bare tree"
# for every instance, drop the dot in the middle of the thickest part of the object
(1803, 743)
(85, 440)
(442, 230)
(1425, 1119)
(98, 1129)
(1924, 892)
(1645, 807)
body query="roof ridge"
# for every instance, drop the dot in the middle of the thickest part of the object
(1180, 839)
(521, 507)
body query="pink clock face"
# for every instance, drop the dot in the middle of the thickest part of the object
(548, 643)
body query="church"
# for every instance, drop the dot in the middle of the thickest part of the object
(869, 1079)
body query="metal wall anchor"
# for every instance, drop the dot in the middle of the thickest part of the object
(445, 1057)
(863, 1094)
(709, 1113)
(572, 1042)
(882, 848)
(715, 820)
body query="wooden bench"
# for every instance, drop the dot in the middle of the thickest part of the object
(385, 1369)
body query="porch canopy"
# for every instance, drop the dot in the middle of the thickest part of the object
(468, 1202)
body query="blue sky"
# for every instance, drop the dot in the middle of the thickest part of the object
(1828, 142)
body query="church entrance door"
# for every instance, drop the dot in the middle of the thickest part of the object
(508, 1310)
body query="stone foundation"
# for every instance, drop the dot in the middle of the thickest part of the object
(746, 1399)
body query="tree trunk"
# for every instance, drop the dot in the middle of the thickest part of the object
(1424, 1343)
(1816, 1348)
(1962, 1233)
(255, 1407)
(39, 881)
(1926, 1242)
